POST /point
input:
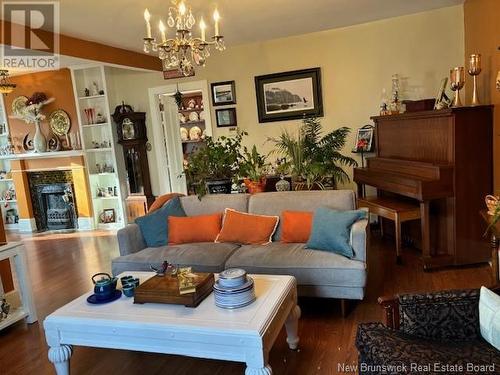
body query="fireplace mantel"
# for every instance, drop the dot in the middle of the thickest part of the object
(43, 155)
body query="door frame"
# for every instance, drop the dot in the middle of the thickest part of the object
(162, 151)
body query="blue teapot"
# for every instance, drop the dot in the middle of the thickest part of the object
(105, 287)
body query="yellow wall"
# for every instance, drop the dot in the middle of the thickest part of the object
(482, 35)
(356, 62)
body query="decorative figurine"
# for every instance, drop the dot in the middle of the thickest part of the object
(87, 92)
(95, 89)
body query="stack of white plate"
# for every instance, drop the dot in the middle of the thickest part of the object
(234, 289)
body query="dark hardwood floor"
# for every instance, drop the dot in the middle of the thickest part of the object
(61, 266)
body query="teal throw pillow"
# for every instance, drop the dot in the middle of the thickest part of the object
(154, 226)
(331, 230)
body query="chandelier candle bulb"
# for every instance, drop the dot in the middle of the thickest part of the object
(203, 26)
(182, 8)
(216, 19)
(162, 31)
(147, 17)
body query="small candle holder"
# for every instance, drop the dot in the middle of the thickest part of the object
(474, 71)
(457, 82)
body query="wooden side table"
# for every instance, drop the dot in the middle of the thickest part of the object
(392, 209)
(495, 241)
(15, 251)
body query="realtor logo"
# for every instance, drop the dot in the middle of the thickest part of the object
(30, 35)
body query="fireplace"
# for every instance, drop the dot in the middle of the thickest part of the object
(52, 196)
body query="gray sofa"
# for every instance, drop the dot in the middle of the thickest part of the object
(318, 273)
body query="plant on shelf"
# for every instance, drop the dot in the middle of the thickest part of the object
(253, 168)
(212, 168)
(314, 160)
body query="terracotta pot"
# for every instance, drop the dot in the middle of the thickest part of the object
(255, 186)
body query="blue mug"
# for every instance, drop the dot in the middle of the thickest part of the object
(129, 290)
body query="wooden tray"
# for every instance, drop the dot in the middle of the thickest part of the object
(165, 289)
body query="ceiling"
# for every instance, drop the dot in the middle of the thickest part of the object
(120, 23)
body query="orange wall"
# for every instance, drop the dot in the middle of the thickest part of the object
(482, 35)
(56, 84)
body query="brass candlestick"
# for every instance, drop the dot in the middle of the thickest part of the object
(457, 81)
(474, 70)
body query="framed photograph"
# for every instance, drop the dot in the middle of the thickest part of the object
(442, 100)
(223, 93)
(289, 95)
(108, 215)
(364, 139)
(226, 117)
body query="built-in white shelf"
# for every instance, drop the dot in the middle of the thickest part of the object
(95, 125)
(42, 155)
(14, 316)
(6, 180)
(8, 201)
(107, 149)
(92, 97)
(4, 135)
(84, 77)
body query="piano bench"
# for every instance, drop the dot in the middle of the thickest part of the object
(392, 209)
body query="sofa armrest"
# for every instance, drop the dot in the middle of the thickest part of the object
(359, 239)
(130, 239)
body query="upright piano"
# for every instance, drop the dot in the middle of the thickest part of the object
(442, 159)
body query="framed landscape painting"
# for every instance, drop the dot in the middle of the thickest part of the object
(289, 95)
(223, 93)
(226, 117)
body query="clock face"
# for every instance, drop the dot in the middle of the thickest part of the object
(128, 130)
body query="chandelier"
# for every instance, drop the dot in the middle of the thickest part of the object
(5, 86)
(182, 51)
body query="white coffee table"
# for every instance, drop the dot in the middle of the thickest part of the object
(242, 335)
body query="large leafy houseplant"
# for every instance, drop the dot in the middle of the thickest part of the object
(218, 160)
(312, 158)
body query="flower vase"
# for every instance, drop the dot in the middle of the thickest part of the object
(39, 141)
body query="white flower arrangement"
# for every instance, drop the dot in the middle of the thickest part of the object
(31, 113)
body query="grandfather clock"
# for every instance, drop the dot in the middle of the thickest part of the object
(131, 129)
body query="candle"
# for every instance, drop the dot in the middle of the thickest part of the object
(182, 8)
(216, 19)
(162, 31)
(203, 26)
(147, 17)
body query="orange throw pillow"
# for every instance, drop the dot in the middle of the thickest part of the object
(242, 228)
(296, 226)
(161, 200)
(190, 229)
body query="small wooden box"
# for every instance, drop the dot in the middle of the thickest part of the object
(419, 105)
(165, 289)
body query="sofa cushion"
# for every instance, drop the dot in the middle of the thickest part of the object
(203, 257)
(276, 202)
(154, 226)
(331, 230)
(214, 203)
(382, 346)
(489, 316)
(245, 228)
(193, 229)
(296, 226)
(310, 267)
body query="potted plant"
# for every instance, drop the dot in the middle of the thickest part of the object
(253, 167)
(314, 160)
(212, 167)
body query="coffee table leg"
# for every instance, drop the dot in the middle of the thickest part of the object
(59, 356)
(292, 327)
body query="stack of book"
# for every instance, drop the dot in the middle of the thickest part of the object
(234, 289)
